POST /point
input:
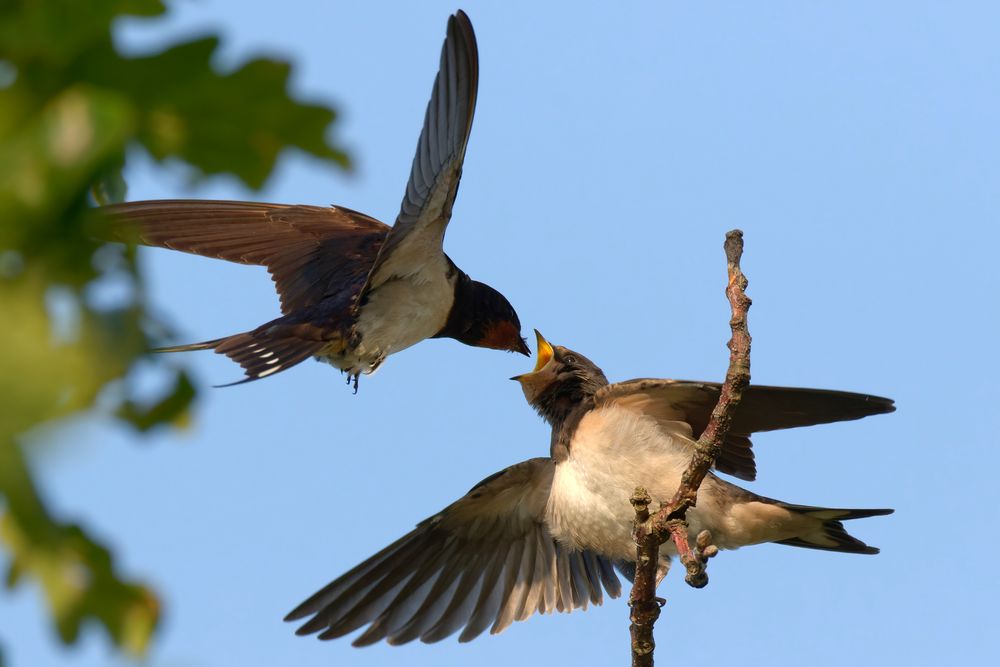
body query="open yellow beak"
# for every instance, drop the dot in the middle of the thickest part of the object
(544, 355)
(544, 352)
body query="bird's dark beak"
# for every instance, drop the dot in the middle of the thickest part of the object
(545, 353)
(523, 348)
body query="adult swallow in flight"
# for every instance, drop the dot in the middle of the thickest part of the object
(353, 290)
(547, 534)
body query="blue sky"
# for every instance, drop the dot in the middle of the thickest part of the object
(856, 145)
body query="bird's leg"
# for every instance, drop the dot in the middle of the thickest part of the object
(356, 376)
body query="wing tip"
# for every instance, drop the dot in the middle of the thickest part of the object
(880, 404)
(296, 614)
(463, 23)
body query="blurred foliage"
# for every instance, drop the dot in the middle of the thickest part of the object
(75, 573)
(70, 107)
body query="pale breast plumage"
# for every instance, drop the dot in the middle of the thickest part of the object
(398, 314)
(613, 450)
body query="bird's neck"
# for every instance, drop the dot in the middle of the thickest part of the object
(559, 402)
(461, 316)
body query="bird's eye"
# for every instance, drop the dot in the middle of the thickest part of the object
(570, 359)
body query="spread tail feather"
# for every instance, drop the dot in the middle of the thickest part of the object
(262, 352)
(828, 533)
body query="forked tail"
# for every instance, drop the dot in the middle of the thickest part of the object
(266, 350)
(828, 532)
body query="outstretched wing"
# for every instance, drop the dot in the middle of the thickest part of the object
(437, 166)
(310, 251)
(762, 409)
(486, 559)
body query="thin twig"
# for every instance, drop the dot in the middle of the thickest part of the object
(669, 522)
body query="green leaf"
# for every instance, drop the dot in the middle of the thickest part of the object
(55, 31)
(172, 409)
(70, 107)
(47, 376)
(47, 162)
(140, 7)
(46, 169)
(76, 573)
(237, 122)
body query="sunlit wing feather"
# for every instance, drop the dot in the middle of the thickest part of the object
(437, 165)
(310, 251)
(762, 408)
(487, 560)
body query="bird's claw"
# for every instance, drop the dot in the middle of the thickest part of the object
(697, 559)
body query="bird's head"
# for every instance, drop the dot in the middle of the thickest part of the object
(482, 317)
(561, 379)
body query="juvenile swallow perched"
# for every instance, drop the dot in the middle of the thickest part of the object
(353, 290)
(547, 534)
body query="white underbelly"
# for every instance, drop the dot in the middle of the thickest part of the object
(399, 314)
(613, 452)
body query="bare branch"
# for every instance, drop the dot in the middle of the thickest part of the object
(645, 607)
(669, 522)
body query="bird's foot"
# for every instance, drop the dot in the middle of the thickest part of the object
(694, 559)
(698, 558)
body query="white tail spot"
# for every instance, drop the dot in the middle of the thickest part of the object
(269, 371)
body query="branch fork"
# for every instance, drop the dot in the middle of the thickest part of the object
(669, 522)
